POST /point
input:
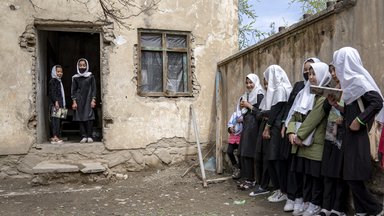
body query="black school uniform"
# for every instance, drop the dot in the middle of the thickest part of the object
(357, 165)
(248, 140)
(83, 91)
(291, 181)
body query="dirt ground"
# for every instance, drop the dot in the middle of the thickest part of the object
(156, 192)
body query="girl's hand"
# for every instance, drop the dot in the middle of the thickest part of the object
(57, 106)
(74, 105)
(291, 138)
(355, 125)
(266, 133)
(93, 103)
(298, 141)
(232, 130)
(339, 120)
(283, 131)
(332, 100)
(246, 104)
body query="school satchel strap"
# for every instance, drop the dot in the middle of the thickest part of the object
(374, 134)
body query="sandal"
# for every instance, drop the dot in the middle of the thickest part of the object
(56, 141)
(246, 185)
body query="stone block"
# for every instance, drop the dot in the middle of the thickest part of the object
(52, 167)
(138, 156)
(153, 162)
(117, 158)
(92, 167)
(164, 156)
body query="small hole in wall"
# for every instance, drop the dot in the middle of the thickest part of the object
(12, 7)
(322, 32)
(108, 122)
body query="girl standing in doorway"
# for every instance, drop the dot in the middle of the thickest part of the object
(57, 100)
(83, 93)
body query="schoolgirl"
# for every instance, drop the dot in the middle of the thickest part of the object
(235, 127)
(57, 100)
(250, 108)
(83, 93)
(308, 124)
(335, 188)
(279, 88)
(358, 87)
(292, 181)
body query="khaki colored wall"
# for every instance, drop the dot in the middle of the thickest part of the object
(348, 23)
(137, 121)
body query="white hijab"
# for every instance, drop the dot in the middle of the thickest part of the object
(314, 59)
(355, 80)
(86, 72)
(252, 95)
(304, 99)
(54, 76)
(278, 89)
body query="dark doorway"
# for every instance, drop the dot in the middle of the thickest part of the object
(65, 48)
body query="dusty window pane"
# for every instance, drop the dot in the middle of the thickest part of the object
(151, 40)
(176, 41)
(151, 72)
(177, 80)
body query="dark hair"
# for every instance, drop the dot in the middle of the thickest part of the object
(310, 60)
(59, 66)
(84, 60)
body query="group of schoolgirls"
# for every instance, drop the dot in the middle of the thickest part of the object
(309, 150)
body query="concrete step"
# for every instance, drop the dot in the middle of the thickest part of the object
(61, 166)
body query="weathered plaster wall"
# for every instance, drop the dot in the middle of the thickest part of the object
(134, 121)
(155, 118)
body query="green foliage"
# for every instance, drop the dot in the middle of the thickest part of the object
(247, 33)
(311, 6)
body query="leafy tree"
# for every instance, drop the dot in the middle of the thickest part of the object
(311, 6)
(247, 33)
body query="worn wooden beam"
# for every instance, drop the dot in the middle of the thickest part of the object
(219, 139)
(198, 147)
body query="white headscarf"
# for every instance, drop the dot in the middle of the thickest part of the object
(314, 59)
(304, 99)
(54, 75)
(252, 95)
(278, 89)
(355, 80)
(86, 72)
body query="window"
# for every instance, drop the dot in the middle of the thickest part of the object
(164, 63)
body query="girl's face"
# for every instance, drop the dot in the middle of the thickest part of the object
(307, 65)
(312, 77)
(59, 72)
(265, 83)
(249, 84)
(82, 66)
(332, 71)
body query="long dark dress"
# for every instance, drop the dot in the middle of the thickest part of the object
(55, 92)
(251, 125)
(275, 117)
(332, 161)
(357, 158)
(83, 91)
(285, 149)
